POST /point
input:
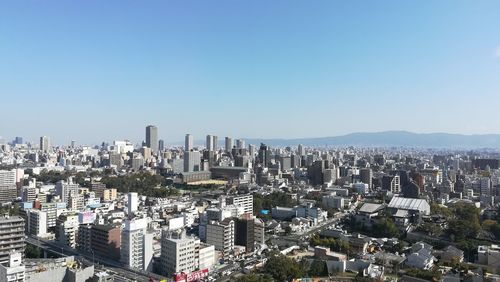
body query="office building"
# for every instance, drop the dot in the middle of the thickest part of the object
(366, 176)
(240, 144)
(228, 144)
(188, 145)
(152, 138)
(211, 143)
(205, 255)
(177, 253)
(192, 161)
(161, 145)
(12, 230)
(136, 245)
(44, 144)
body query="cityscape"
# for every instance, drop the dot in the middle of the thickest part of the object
(249, 141)
(231, 211)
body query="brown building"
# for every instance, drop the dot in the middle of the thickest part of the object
(106, 241)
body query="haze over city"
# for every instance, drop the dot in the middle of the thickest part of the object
(101, 70)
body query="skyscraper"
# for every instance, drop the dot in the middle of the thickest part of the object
(229, 144)
(188, 142)
(152, 138)
(44, 143)
(210, 143)
(240, 144)
(161, 145)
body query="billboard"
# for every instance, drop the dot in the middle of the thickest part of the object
(191, 277)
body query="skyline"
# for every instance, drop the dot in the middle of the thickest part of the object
(104, 70)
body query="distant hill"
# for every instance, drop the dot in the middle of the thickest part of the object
(392, 139)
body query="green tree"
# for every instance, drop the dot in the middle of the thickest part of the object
(255, 278)
(318, 268)
(32, 252)
(282, 268)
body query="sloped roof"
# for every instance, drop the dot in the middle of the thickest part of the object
(370, 208)
(408, 203)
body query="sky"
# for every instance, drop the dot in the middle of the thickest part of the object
(95, 71)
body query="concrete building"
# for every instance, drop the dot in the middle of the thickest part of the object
(245, 233)
(205, 255)
(192, 161)
(244, 201)
(228, 144)
(188, 143)
(8, 189)
(152, 138)
(44, 144)
(11, 237)
(66, 188)
(133, 203)
(221, 235)
(67, 229)
(37, 222)
(177, 253)
(106, 241)
(136, 245)
(489, 255)
(13, 270)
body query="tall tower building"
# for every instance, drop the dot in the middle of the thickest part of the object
(240, 144)
(188, 146)
(228, 144)
(66, 189)
(161, 145)
(192, 161)
(152, 138)
(44, 143)
(210, 144)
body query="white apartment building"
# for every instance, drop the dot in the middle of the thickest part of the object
(137, 245)
(177, 253)
(67, 229)
(244, 201)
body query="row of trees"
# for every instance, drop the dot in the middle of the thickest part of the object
(274, 199)
(334, 245)
(143, 183)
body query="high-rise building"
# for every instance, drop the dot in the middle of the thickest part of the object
(221, 235)
(44, 144)
(177, 253)
(211, 143)
(192, 161)
(152, 138)
(133, 203)
(301, 150)
(161, 145)
(12, 230)
(136, 245)
(67, 229)
(36, 222)
(188, 146)
(8, 188)
(106, 241)
(228, 144)
(240, 144)
(65, 189)
(245, 233)
(366, 176)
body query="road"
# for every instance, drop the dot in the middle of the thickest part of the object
(102, 263)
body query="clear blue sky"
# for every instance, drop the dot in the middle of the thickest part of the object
(103, 70)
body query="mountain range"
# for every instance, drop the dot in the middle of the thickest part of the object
(391, 139)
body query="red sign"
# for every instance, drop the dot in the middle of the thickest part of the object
(191, 277)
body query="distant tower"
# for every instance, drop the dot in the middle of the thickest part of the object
(73, 144)
(133, 203)
(188, 142)
(161, 145)
(152, 138)
(229, 144)
(240, 144)
(211, 143)
(44, 143)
